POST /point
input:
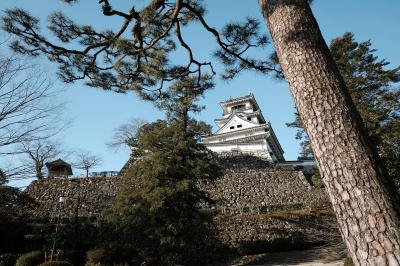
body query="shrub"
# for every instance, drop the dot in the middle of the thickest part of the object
(111, 256)
(56, 263)
(348, 262)
(316, 179)
(32, 258)
(8, 259)
(95, 256)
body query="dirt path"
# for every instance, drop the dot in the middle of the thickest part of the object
(332, 256)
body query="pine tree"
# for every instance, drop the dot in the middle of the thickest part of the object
(371, 85)
(13, 222)
(368, 214)
(346, 158)
(159, 213)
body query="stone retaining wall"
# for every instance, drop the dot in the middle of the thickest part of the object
(256, 190)
(235, 230)
(235, 192)
(82, 197)
(245, 200)
(243, 162)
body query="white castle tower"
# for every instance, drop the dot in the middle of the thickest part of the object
(243, 129)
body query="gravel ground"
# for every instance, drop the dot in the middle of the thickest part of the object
(331, 256)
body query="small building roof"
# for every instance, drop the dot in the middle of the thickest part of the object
(59, 164)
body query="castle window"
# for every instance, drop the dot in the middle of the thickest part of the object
(232, 127)
(249, 118)
(239, 126)
(238, 107)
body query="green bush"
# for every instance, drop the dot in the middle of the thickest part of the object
(348, 262)
(8, 259)
(95, 257)
(56, 263)
(32, 258)
(111, 256)
(316, 179)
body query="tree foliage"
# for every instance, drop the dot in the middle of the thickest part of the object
(159, 214)
(372, 87)
(12, 220)
(301, 135)
(136, 56)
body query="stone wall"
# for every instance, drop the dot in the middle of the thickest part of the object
(236, 230)
(244, 198)
(257, 190)
(242, 162)
(82, 197)
(235, 192)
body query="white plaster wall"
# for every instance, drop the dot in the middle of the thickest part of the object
(233, 137)
(235, 121)
(260, 148)
(254, 119)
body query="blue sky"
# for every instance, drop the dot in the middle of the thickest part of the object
(96, 113)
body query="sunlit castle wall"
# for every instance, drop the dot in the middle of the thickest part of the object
(257, 149)
(243, 129)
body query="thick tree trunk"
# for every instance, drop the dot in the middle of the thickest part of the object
(367, 215)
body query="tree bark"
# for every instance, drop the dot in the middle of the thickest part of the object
(367, 213)
(38, 170)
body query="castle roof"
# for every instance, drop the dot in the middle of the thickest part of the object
(235, 101)
(245, 98)
(221, 121)
(244, 129)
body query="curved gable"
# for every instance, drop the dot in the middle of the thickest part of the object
(236, 123)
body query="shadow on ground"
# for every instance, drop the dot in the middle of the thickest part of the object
(333, 256)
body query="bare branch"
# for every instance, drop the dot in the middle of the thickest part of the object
(125, 134)
(86, 161)
(27, 107)
(39, 152)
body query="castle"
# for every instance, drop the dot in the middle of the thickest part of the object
(243, 129)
